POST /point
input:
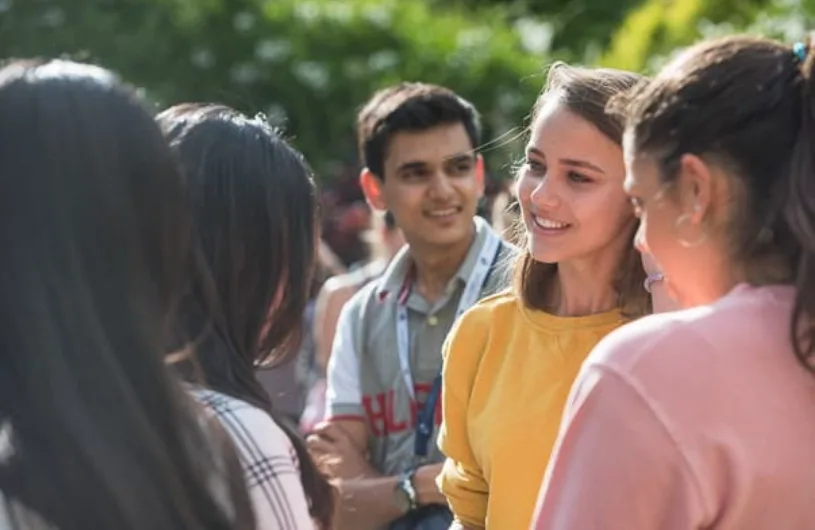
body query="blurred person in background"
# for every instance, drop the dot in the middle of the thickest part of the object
(384, 241)
(292, 381)
(345, 215)
(329, 263)
(253, 201)
(288, 380)
(95, 432)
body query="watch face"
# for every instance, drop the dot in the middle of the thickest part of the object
(402, 498)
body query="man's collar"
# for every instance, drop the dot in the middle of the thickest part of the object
(397, 277)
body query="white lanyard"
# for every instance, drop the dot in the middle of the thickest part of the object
(470, 296)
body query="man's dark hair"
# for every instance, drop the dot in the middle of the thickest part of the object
(409, 107)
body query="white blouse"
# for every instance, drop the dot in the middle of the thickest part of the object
(269, 462)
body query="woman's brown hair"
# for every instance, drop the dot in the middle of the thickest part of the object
(586, 92)
(747, 105)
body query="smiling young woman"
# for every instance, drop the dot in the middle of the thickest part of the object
(510, 361)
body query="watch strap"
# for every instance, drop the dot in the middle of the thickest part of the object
(405, 485)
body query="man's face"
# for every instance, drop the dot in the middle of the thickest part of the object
(433, 181)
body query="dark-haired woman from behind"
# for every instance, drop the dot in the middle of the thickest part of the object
(705, 417)
(384, 241)
(95, 433)
(254, 205)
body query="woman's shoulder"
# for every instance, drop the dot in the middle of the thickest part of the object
(498, 305)
(470, 334)
(496, 310)
(661, 354)
(682, 339)
(252, 429)
(629, 345)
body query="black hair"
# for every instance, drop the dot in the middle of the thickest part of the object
(94, 236)
(390, 221)
(254, 205)
(410, 107)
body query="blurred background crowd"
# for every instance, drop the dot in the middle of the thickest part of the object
(309, 64)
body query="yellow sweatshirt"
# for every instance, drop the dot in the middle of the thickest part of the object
(507, 374)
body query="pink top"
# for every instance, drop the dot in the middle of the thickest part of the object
(696, 419)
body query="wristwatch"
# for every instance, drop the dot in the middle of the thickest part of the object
(405, 492)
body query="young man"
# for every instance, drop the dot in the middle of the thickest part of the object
(418, 143)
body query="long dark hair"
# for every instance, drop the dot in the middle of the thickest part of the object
(585, 92)
(254, 203)
(749, 104)
(94, 237)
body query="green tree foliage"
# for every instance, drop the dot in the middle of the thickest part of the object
(658, 28)
(307, 64)
(639, 34)
(786, 20)
(574, 26)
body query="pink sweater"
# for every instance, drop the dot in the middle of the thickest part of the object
(699, 419)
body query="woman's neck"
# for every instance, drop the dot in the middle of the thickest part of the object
(717, 276)
(581, 289)
(585, 286)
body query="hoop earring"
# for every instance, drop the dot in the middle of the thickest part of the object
(684, 242)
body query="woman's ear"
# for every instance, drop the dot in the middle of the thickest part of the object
(695, 187)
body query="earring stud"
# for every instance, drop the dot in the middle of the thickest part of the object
(652, 278)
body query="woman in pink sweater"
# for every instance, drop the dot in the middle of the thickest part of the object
(705, 418)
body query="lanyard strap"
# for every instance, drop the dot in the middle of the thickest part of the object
(470, 296)
(425, 424)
